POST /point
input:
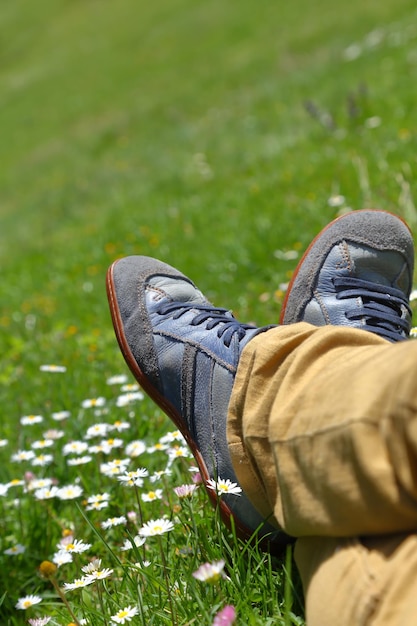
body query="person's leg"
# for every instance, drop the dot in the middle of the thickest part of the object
(362, 581)
(357, 273)
(359, 581)
(337, 474)
(346, 580)
(322, 430)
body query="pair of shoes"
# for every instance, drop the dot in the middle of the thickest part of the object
(184, 351)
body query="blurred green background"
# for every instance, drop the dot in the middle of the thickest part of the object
(217, 136)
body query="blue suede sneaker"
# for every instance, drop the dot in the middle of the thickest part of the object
(184, 352)
(357, 272)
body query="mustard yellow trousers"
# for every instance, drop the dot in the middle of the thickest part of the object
(322, 429)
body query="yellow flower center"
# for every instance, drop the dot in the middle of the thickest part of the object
(213, 578)
(47, 568)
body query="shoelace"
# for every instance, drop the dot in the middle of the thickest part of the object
(211, 316)
(386, 309)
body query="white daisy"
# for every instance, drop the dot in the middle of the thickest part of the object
(174, 435)
(135, 448)
(97, 430)
(93, 402)
(98, 497)
(125, 615)
(97, 449)
(142, 565)
(29, 420)
(150, 496)
(59, 416)
(113, 521)
(128, 398)
(80, 460)
(119, 426)
(107, 445)
(15, 482)
(224, 486)
(156, 527)
(413, 295)
(99, 574)
(62, 558)
(53, 434)
(137, 543)
(158, 447)
(97, 506)
(92, 566)
(39, 483)
(43, 460)
(159, 474)
(27, 601)
(23, 455)
(78, 583)
(74, 447)
(130, 387)
(46, 493)
(75, 546)
(336, 200)
(42, 443)
(114, 467)
(133, 478)
(69, 492)
(119, 379)
(178, 452)
(18, 548)
(56, 369)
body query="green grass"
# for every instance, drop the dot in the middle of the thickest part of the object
(208, 134)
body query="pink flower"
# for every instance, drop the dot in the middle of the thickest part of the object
(185, 491)
(225, 617)
(197, 478)
(210, 572)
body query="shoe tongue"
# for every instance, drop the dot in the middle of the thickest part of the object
(178, 289)
(385, 267)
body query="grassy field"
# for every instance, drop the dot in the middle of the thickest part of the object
(219, 137)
